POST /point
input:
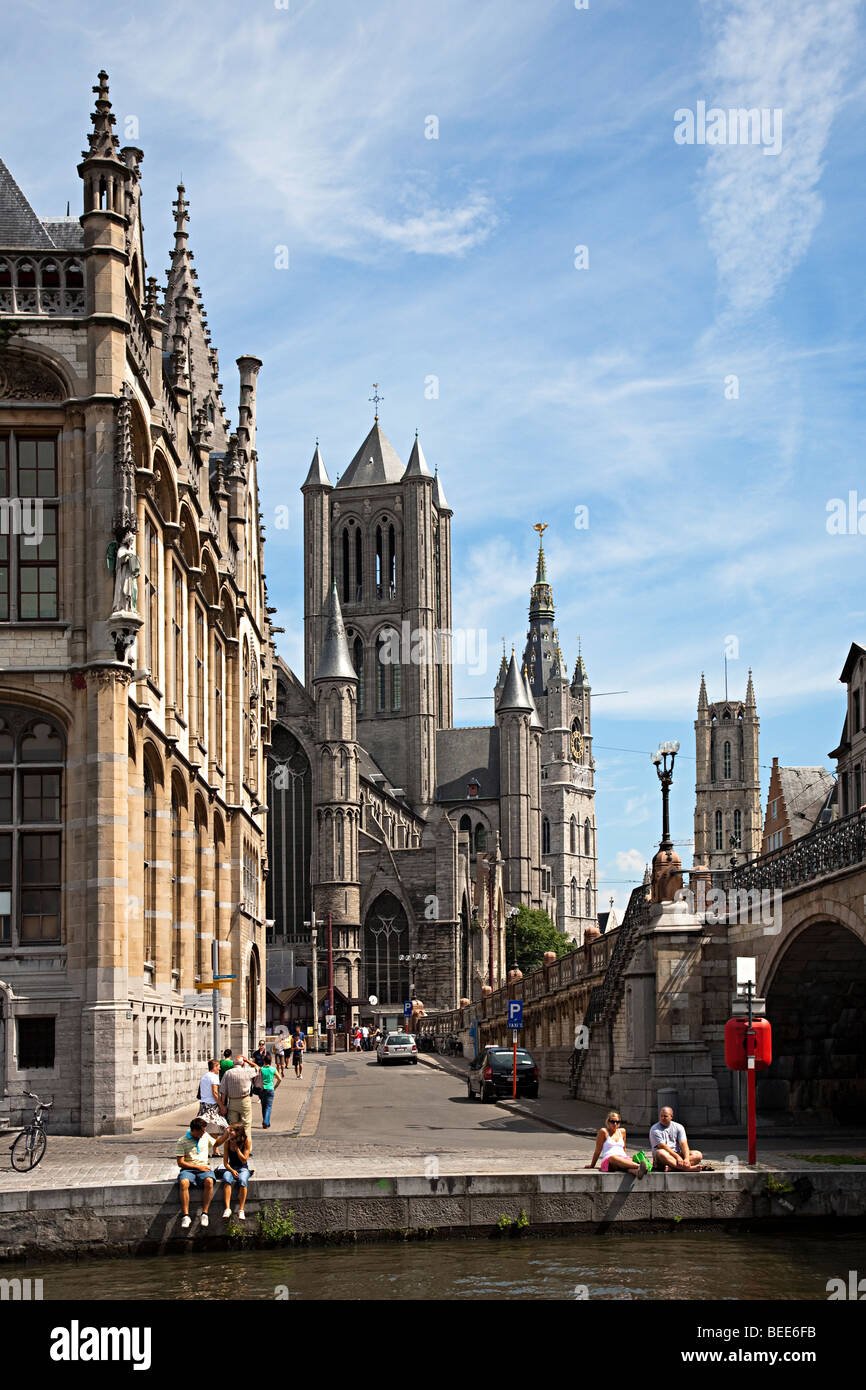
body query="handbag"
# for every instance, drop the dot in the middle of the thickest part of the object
(256, 1087)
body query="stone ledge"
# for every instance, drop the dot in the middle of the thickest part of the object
(145, 1217)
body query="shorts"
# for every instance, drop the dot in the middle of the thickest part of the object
(242, 1179)
(196, 1179)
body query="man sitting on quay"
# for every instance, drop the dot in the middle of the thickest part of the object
(670, 1147)
(193, 1160)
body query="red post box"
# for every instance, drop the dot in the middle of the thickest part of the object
(739, 1045)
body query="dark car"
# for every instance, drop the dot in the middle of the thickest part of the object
(492, 1074)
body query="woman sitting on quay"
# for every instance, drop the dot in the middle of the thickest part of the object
(236, 1168)
(610, 1144)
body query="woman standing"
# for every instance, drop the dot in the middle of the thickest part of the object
(610, 1144)
(270, 1081)
(210, 1107)
(237, 1170)
(299, 1047)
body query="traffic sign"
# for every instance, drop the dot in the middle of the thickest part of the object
(407, 1008)
(515, 1013)
(205, 984)
(330, 1020)
(225, 977)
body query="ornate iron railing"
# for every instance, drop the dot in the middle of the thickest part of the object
(827, 850)
(42, 282)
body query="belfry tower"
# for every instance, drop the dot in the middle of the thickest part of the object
(728, 780)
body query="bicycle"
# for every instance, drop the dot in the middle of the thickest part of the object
(30, 1145)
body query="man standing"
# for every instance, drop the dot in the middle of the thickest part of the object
(193, 1160)
(235, 1090)
(365, 1033)
(671, 1147)
(298, 1048)
(226, 1062)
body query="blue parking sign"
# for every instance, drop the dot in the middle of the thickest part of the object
(515, 1013)
(407, 1008)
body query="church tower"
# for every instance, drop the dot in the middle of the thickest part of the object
(336, 801)
(568, 824)
(382, 534)
(728, 785)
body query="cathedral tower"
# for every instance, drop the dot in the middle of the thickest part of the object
(728, 780)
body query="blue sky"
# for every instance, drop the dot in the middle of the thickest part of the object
(559, 387)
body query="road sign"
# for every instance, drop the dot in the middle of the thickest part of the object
(330, 1020)
(225, 977)
(205, 984)
(407, 1008)
(515, 1013)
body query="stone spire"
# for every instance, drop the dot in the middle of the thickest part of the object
(703, 703)
(515, 695)
(317, 476)
(102, 140)
(750, 694)
(534, 722)
(579, 678)
(335, 663)
(439, 497)
(417, 465)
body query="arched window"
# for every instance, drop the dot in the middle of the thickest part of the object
(466, 827)
(386, 939)
(177, 631)
(339, 852)
(381, 674)
(587, 837)
(738, 830)
(219, 678)
(151, 600)
(150, 866)
(480, 838)
(572, 835)
(545, 835)
(588, 896)
(346, 578)
(392, 563)
(720, 842)
(31, 770)
(359, 566)
(726, 760)
(176, 883)
(573, 902)
(396, 686)
(379, 563)
(288, 893)
(219, 893)
(358, 663)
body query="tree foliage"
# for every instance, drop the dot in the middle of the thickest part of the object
(536, 934)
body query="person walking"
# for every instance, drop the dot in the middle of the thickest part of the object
(270, 1081)
(260, 1053)
(210, 1107)
(280, 1057)
(235, 1091)
(236, 1170)
(357, 1039)
(365, 1034)
(299, 1047)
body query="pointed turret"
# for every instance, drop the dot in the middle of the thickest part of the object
(417, 465)
(376, 462)
(317, 476)
(439, 494)
(534, 722)
(750, 693)
(514, 695)
(503, 669)
(579, 678)
(703, 703)
(102, 141)
(335, 663)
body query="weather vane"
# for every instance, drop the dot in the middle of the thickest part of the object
(541, 527)
(376, 398)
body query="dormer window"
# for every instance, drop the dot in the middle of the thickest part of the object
(474, 788)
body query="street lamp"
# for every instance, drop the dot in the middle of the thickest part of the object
(412, 959)
(513, 913)
(665, 773)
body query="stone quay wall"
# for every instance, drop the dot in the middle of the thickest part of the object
(144, 1218)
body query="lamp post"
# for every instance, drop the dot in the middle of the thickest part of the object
(665, 773)
(513, 914)
(412, 958)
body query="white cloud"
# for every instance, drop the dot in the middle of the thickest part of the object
(630, 861)
(761, 210)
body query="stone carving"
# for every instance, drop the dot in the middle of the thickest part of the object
(125, 515)
(23, 380)
(125, 565)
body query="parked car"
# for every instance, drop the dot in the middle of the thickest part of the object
(492, 1074)
(397, 1047)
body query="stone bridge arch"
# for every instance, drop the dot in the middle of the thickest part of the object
(814, 981)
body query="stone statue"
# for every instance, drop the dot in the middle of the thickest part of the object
(125, 565)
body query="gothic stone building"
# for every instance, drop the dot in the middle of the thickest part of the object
(384, 817)
(728, 780)
(135, 664)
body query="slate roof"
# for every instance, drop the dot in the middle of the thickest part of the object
(67, 233)
(805, 790)
(376, 462)
(335, 662)
(463, 755)
(19, 225)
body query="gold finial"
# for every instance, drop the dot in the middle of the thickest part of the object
(377, 400)
(541, 527)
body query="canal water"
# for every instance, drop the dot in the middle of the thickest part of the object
(651, 1265)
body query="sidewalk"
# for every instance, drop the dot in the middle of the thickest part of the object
(556, 1109)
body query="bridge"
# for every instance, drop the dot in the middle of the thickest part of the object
(650, 999)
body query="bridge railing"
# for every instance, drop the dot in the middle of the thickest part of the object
(826, 850)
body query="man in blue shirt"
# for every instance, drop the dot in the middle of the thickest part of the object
(670, 1146)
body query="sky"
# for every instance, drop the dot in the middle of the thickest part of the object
(491, 210)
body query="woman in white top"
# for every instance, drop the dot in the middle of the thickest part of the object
(210, 1106)
(610, 1145)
